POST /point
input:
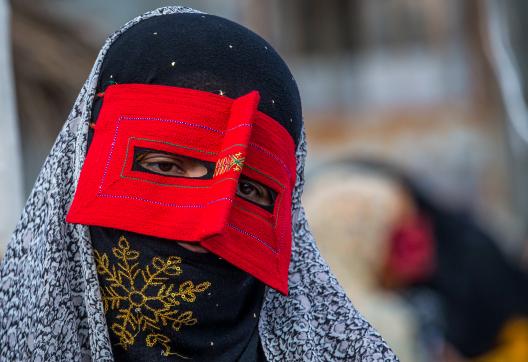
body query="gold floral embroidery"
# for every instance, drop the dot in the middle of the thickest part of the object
(139, 308)
(233, 162)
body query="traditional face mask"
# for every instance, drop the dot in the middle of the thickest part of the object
(411, 255)
(221, 140)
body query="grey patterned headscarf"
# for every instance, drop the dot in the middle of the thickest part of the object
(50, 304)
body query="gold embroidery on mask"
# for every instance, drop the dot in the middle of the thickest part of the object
(233, 162)
(150, 306)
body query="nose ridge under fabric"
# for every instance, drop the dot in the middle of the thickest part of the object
(234, 144)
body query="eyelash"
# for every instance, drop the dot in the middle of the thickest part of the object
(255, 188)
(172, 164)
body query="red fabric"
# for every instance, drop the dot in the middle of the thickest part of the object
(412, 252)
(204, 126)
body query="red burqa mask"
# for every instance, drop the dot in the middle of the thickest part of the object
(230, 134)
(411, 255)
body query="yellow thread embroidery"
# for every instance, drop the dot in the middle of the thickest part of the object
(139, 309)
(233, 162)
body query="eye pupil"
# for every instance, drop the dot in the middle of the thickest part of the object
(166, 167)
(246, 188)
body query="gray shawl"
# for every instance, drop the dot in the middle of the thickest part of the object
(50, 304)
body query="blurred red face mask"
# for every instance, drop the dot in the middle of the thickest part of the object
(412, 253)
(216, 141)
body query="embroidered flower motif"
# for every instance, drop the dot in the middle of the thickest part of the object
(143, 300)
(233, 162)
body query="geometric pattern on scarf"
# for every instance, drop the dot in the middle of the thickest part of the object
(50, 302)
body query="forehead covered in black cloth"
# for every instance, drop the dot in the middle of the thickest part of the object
(207, 53)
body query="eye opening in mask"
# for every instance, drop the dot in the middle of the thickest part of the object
(256, 193)
(171, 164)
(174, 165)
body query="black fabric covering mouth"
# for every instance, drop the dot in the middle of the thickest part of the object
(223, 321)
(207, 53)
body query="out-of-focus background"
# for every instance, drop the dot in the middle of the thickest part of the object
(401, 98)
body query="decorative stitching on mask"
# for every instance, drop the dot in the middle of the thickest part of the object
(101, 194)
(266, 175)
(258, 148)
(150, 307)
(238, 126)
(188, 123)
(195, 125)
(231, 146)
(179, 186)
(234, 162)
(194, 206)
(241, 208)
(236, 228)
(212, 153)
(272, 155)
(275, 218)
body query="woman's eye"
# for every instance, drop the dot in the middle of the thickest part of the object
(165, 167)
(162, 165)
(248, 189)
(169, 165)
(255, 192)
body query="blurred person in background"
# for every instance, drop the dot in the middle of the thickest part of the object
(351, 213)
(107, 283)
(430, 279)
